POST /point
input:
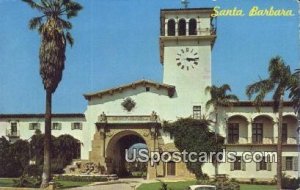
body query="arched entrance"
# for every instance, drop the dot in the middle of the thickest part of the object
(115, 154)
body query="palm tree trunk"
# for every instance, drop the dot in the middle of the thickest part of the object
(279, 144)
(47, 142)
(216, 138)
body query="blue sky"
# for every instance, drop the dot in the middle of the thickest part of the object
(116, 42)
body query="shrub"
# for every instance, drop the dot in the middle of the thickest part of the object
(193, 135)
(233, 180)
(290, 183)
(81, 178)
(226, 185)
(31, 177)
(27, 181)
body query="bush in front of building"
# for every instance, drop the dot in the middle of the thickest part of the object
(290, 183)
(31, 177)
(221, 185)
(15, 157)
(81, 178)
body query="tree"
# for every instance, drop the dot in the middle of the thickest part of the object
(194, 135)
(219, 97)
(19, 152)
(53, 27)
(295, 92)
(278, 82)
(4, 156)
(65, 150)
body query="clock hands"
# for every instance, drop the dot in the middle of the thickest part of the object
(191, 59)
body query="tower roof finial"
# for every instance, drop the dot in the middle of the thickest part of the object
(185, 3)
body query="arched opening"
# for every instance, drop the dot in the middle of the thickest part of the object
(289, 129)
(192, 27)
(237, 129)
(171, 27)
(181, 27)
(116, 155)
(262, 130)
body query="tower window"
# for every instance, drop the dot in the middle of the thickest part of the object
(171, 27)
(192, 27)
(197, 112)
(182, 27)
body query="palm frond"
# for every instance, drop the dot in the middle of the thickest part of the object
(232, 97)
(65, 24)
(45, 3)
(279, 91)
(225, 87)
(34, 5)
(208, 89)
(35, 22)
(295, 90)
(277, 69)
(72, 9)
(209, 103)
(70, 39)
(255, 88)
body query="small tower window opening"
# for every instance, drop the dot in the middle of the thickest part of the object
(197, 112)
(182, 27)
(193, 27)
(171, 27)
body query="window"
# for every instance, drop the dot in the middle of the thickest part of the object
(192, 27)
(171, 27)
(233, 133)
(284, 133)
(288, 163)
(76, 126)
(34, 126)
(257, 133)
(237, 165)
(56, 126)
(13, 126)
(147, 89)
(182, 27)
(197, 112)
(263, 164)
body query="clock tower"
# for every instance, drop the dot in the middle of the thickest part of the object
(186, 41)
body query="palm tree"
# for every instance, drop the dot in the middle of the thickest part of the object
(295, 92)
(278, 82)
(53, 27)
(219, 97)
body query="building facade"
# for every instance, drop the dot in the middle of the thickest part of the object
(117, 118)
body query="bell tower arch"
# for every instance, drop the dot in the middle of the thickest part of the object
(186, 42)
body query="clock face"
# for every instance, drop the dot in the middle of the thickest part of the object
(187, 59)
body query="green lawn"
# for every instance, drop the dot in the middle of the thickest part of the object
(183, 185)
(71, 184)
(6, 182)
(258, 187)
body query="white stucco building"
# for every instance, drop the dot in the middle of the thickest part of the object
(117, 117)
